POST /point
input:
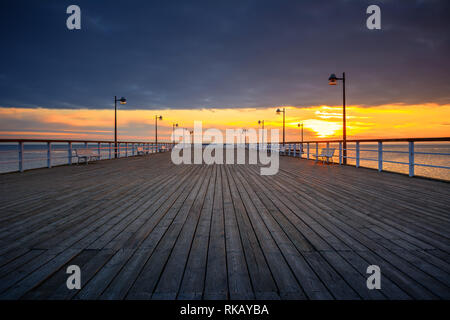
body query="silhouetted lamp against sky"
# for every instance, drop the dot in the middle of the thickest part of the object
(121, 101)
(156, 129)
(261, 122)
(332, 80)
(300, 125)
(174, 125)
(284, 116)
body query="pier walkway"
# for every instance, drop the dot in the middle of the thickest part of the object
(144, 228)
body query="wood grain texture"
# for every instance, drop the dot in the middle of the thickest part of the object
(144, 228)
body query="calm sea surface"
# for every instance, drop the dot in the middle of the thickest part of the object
(35, 156)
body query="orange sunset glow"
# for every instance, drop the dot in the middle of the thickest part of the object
(320, 122)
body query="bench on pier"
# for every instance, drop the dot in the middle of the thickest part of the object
(326, 154)
(86, 154)
(140, 151)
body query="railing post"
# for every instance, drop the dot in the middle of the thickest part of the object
(357, 154)
(380, 156)
(110, 151)
(295, 147)
(21, 156)
(340, 152)
(317, 150)
(99, 151)
(118, 149)
(307, 151)
(69, 153)
(328, 146)
(126, 149)
(411, 158)
(49, 154)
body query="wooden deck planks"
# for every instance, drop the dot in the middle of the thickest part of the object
(143, 228)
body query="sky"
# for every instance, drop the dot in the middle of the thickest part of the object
(227, 63)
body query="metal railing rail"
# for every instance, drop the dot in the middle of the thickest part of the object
(296, 149)
(124, 149)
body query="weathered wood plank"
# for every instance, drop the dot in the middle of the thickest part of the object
(143, 228)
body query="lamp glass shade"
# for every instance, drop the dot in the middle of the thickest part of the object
(332, 80)
(160, 117)
(123, 100)
(278, 110)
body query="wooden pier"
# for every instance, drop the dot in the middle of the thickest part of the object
(144, 228)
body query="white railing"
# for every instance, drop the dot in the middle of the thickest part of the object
(406, 147)
(16, 154)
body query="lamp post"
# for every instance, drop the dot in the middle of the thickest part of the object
(284, 115)
(261, 122)
(300, 125)
(156, 130)
(332, 80)
(244, 132)
(121, 101)
(174, 125)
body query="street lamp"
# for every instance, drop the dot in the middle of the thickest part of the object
(121, 101)
(174, 125)
(261, 122)
(284, 116)
(300, 125)
(244, 132)
(156, 130)
(332, 80)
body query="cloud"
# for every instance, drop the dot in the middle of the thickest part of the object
(387, 121)
(233, 54)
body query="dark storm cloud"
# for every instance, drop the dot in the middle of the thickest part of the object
(196, 54)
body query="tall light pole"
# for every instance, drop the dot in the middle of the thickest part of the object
(261, 122)
(332, 80)
(244, 132)
(284, 115)
(121, 101)
(156, 130)
(300, 125)
(174, 125)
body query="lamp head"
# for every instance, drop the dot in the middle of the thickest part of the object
(160, 117)
(259, 121)
(176, 125)
(123, 100)
(332, 80)
(278, 110)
